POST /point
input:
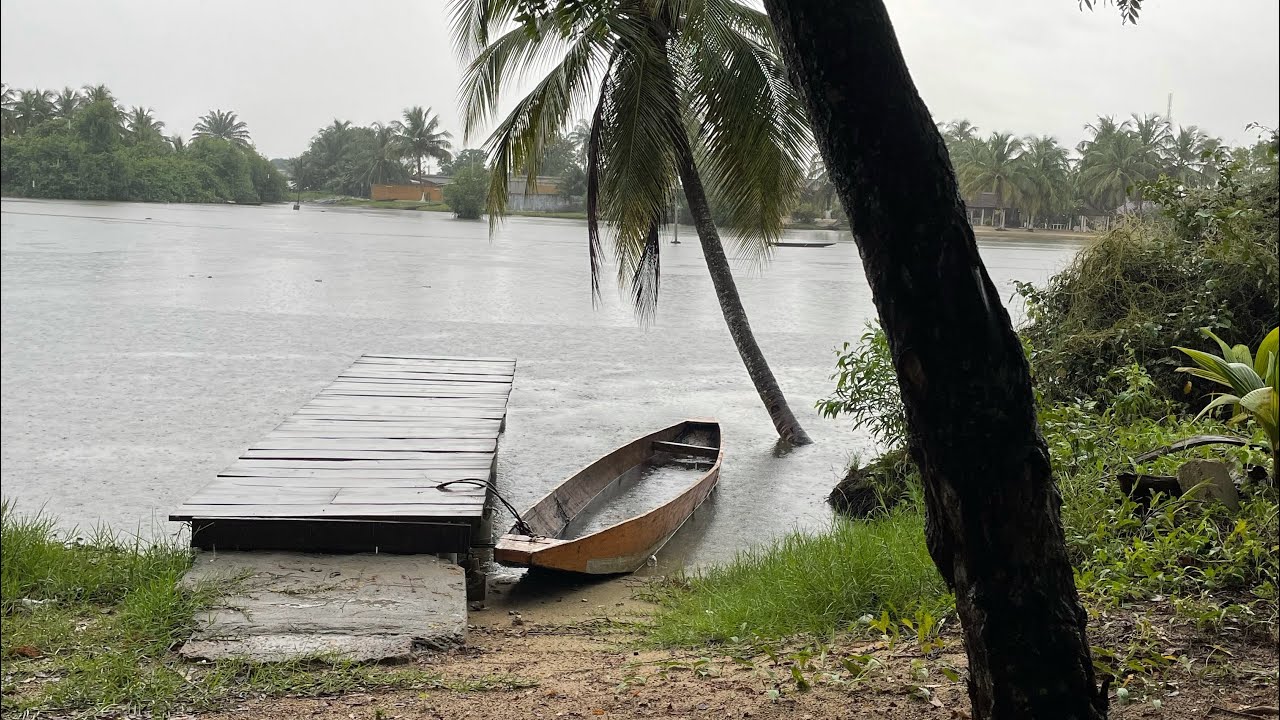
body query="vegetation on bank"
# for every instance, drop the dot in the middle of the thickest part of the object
(91, 626)
(82, 145)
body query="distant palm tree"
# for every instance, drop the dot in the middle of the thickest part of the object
(385, 164)
(1188, 155)
(142, 125)
(32, 108)
(8, 98)
(1113, 168)
(1044, 176)
(222, 124)
(993, 166)
(98, 93)
(580, 135)
(420, 138)
(961, 136)
(66, 104)
(1152, 133)
(687, 96)
(178, 143)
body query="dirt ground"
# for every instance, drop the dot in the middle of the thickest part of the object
(577, 649)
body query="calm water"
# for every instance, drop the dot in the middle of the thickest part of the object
(145, 345)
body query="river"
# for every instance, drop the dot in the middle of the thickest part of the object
(145, 345)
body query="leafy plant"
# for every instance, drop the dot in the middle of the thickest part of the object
(468, 192)
(1253, 379)
(867, 389)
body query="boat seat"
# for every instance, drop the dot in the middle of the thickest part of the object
(676, 448)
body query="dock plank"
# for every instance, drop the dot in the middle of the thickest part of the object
(369, 448)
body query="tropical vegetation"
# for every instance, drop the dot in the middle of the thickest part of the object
(677, 93)
(83, 145)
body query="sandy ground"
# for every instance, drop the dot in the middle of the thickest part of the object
(577, 648)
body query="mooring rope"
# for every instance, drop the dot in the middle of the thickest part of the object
(521, 525)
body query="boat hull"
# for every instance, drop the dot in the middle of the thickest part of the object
(626, 546)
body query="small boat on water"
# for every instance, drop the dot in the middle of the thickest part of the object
(617, 512)
(803, 244)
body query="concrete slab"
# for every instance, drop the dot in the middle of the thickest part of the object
(367, 607)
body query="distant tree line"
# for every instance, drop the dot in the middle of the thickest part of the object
(1044, 179)
(83, 145)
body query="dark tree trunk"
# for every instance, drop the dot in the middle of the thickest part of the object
(731, 305)
(993, 513)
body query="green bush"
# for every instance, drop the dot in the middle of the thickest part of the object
(804, 213)
(468, 194)
(1151, 283)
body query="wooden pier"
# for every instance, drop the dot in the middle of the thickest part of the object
(358, 468)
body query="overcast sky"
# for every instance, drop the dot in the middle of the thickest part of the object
(290, 67)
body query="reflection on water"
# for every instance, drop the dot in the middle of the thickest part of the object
(145, 345)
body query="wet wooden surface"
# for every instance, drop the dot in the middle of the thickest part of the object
(371, 446)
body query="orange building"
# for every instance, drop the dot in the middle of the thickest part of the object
(417, 191)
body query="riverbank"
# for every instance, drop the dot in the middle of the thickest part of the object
(91, 630)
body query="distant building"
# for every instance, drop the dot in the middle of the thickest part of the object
(983, 210)
(543, 194)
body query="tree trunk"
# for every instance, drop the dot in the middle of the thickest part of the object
(993, 523)
(731, 305)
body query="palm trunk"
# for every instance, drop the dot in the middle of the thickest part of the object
(993, 524)
(731, 305)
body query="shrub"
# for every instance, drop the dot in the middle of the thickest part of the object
(867, 389)
(805, 213)
(468, 193)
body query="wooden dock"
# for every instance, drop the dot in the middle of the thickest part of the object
(357, 469)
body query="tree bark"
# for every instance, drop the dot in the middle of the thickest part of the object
(993, 523)
(784, 421)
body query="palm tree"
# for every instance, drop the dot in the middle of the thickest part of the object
(98, 93)
(142, 125)
(961, 136)
(178, 143)
(993, 166)
(1152, 132)
(222, 124)
(688, 97)
(66, 103)
(1113, 168)
(1044, 176)
(419, 137)
(8, 98)
(384, 163)
(32, 108)
(580, 136)
(1187, 155)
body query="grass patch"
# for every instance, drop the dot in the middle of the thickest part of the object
(806, 583)
(90, 627)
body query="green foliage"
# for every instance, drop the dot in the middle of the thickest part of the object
(806, 583)
(804, 213)
(1151, 283)
(1254, 382)
(867, 390)
(468, 192)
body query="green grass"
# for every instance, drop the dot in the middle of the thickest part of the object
(806, 583)
(91, 627)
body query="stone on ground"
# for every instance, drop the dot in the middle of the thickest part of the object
(282, 606)
(1219, 485)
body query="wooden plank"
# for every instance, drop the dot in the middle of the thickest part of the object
(319, 412)
(451, 366)
(347, 481)
(446, 358)
(374, 422)
(400, 496)
(225, 493)
(332, 536)
(344, 433)
(422, 389)
(423, 511)
(432, 475)
(432, 445)
(419, 459)
(676, 448)
(418, 465)
(363, 373)
(366, 398)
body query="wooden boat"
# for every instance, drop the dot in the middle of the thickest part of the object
(548, 540)
(803, 244)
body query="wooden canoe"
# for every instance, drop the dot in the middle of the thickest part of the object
(625, 546)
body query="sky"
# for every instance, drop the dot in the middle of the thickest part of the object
(289, 67)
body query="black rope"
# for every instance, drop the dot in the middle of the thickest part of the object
(521, 525)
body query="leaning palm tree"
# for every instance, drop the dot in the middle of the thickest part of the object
(687, 96)
(420, 137)
(142, 125)
(992, 166)
(222, 124)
